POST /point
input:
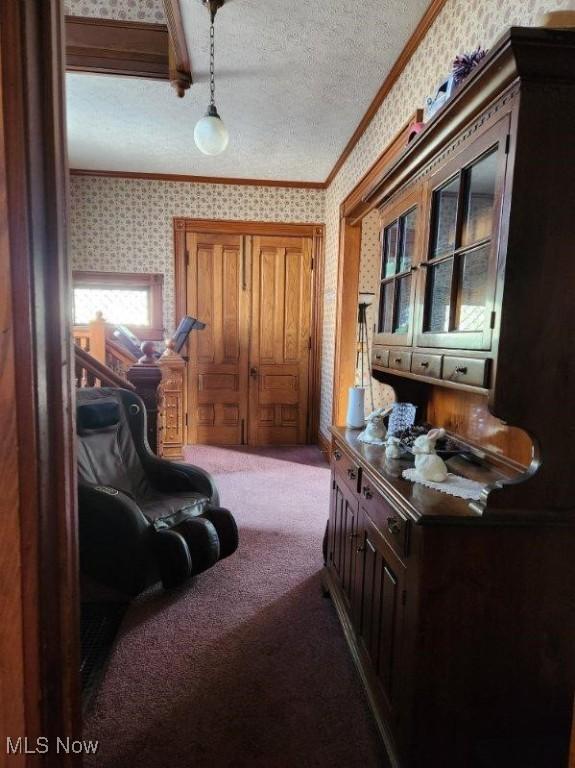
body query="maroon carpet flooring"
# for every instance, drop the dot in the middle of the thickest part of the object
(247, 665)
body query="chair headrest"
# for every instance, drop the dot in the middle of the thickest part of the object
(97, 415)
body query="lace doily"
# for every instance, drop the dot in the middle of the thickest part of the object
(454, 485)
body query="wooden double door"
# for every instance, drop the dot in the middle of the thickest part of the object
(249, 369)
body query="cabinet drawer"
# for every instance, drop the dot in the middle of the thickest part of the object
(465, 370)
(426, 365)
(346, 470)
(392, 525)
(400, 360)
(380, 356)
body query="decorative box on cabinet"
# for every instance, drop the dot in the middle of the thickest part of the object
(461, 616)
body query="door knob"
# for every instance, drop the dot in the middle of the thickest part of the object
(254, 373)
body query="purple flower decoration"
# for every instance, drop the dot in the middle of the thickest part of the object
(463, 64)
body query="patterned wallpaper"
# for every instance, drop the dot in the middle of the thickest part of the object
(461, 26)
(125, 225)
(126, 10)
(369, 268)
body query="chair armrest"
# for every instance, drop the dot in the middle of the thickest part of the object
(115, 538)
(111, 506)
(168, 476)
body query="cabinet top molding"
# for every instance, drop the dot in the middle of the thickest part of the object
(521, 54)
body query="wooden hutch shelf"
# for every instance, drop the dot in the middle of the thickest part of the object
(461, 616)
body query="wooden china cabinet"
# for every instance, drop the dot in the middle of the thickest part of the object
(460, 615)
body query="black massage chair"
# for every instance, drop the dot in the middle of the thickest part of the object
(142, 518)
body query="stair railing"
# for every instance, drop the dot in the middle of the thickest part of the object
(160, 382)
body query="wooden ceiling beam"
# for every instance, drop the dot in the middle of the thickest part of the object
(179, 56)
(113, 47)
(131, 48)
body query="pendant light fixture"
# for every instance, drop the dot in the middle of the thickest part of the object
(210, 134)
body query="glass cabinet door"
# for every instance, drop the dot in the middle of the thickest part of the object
(398, 262)
(459, 285)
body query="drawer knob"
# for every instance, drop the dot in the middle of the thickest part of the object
(378, 357)
(424, 364)
(461, 369)
(352, 474)
(366, 492)
(393, 525)
(397, 359)
(337, 455)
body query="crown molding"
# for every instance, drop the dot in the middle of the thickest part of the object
(403, 59)
(401, 62)
(199, 179)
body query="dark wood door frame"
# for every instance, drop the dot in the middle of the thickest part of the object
(314, 231)
(38, 561)
(356, 205)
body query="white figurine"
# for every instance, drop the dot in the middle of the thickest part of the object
(392, 449)
(375, 431)
(428, 464)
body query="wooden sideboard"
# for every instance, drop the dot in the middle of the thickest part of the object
(461, 616)
(462, 626)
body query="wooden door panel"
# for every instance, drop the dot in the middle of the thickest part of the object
(218, 386)
(380, 584)
(280, 340)
(336, 556)
(349, 532)
(386, 649)
(344, 537)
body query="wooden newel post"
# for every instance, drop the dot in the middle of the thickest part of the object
(145, 375)
(172, 404)
(97, 332)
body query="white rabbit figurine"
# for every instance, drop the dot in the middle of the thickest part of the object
(428, 464)
(392, 449)
(375, 430)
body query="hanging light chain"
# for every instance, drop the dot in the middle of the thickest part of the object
(212, 55)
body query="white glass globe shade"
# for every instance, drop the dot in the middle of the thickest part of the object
(211, 135)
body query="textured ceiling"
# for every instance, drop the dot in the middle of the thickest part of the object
(293, 80)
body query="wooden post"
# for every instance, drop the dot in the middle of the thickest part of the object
(146, 375)
(97, 334)
(171, 404)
